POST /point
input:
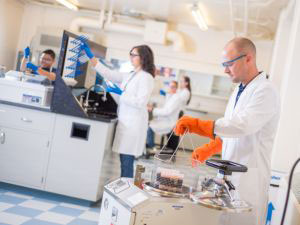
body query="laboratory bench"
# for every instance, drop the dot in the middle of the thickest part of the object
(53, 152)
(58, 148)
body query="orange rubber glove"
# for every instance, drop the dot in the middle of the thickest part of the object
(194, 125)
(205, 151)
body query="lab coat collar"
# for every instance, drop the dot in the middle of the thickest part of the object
(260, 75)
(258, 78)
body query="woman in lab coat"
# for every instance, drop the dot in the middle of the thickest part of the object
(247, 130)
(135, 90)
(185, 91)
(164, 118)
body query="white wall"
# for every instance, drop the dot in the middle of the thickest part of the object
(281, 46)
(11, 14)
(203, 48)
(287, 145)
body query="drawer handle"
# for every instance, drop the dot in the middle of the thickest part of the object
(2, 137)
(26, 120)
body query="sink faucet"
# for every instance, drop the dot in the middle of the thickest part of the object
(86, 103)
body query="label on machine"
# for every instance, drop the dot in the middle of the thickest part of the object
(30, 99)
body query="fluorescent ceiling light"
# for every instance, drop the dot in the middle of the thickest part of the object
(68, 4)
(199, 17)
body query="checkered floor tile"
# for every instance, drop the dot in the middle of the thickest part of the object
(24, 206)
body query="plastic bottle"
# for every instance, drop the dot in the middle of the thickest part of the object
(138, 178)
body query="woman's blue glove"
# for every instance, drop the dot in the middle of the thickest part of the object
(31, 66)
(26, 52)
(115, 89)
(87, 50)
(162, 92)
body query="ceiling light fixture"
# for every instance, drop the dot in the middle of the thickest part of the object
(68, 4)
(199, 17)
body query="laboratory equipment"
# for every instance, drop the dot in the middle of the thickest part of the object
(218, 192)
(33, 90)
(173, 201)
(123, 203)
(69, 62)
(173, 194)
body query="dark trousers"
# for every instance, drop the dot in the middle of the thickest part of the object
(173, 141)
(150, 138)
(127, 162)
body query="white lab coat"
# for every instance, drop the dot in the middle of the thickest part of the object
(131, 131)
(165, 117)
(248, 132)
(184, 95)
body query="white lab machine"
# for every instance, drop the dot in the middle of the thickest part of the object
(168, 198)
(125, 204)
(33, 90)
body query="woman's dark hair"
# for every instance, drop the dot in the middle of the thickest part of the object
(147, 58)
(188, 81)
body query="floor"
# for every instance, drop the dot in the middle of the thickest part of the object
(24, 206)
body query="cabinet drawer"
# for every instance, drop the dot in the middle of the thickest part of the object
(23, 118)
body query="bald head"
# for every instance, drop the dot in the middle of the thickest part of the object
(242, 45)
(240, 57)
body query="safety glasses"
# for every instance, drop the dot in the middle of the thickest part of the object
(133, 55)
(230, 62)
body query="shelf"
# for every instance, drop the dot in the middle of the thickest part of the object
(211, 96)
(204, 110)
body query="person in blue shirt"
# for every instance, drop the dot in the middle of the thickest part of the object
(47, 61)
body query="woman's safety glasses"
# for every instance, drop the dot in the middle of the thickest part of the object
(133, 55)
(230, 62)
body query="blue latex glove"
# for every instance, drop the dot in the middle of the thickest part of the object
(115, 89)
(27, 52)
(87, 50)
(31, 66)
(162, 92)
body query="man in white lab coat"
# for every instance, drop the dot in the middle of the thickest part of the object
(246, 132)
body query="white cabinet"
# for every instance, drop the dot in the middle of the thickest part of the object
(24, 145)
(210, 85)
(53, 152)
(77, 156)
(23, 156)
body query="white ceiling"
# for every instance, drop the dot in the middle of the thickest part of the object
(253, 18)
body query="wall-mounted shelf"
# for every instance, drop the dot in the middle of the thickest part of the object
(211, 96)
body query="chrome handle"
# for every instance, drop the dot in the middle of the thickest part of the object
(2, 137)
(24, 119)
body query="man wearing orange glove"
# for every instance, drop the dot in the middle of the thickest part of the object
(203, 128)
(246, 133)
(204, 152)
